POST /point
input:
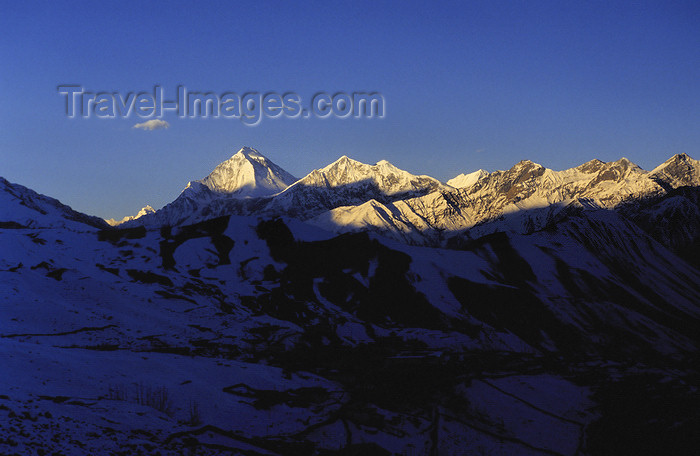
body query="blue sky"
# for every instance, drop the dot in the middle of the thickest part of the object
(468, 85)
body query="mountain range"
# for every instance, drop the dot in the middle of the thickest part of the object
(350, 196)
(360, 309)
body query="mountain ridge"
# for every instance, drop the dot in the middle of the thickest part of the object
(346, 182)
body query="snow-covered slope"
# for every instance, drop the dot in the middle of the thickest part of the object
(373, 216)
(22, 207)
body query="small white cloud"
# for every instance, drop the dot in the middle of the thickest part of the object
(153, 124)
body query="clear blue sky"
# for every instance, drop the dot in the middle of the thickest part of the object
(468, 85)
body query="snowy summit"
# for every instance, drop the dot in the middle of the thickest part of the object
(467, 180)
(248, 174)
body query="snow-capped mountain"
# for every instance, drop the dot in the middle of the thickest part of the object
(348, 195)
(524, 198)
(246, 175)
(679, 170)
(467, 180)
(349, 182)
(249, 183)
(385, 177)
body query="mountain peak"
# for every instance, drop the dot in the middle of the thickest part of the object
(680, 158)
(147, 209)
(677, 158)
(343, 162)
(248, 152)
(248, 173)
(623, 161)
(467, 180)
(385, 177)
(677, 171)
